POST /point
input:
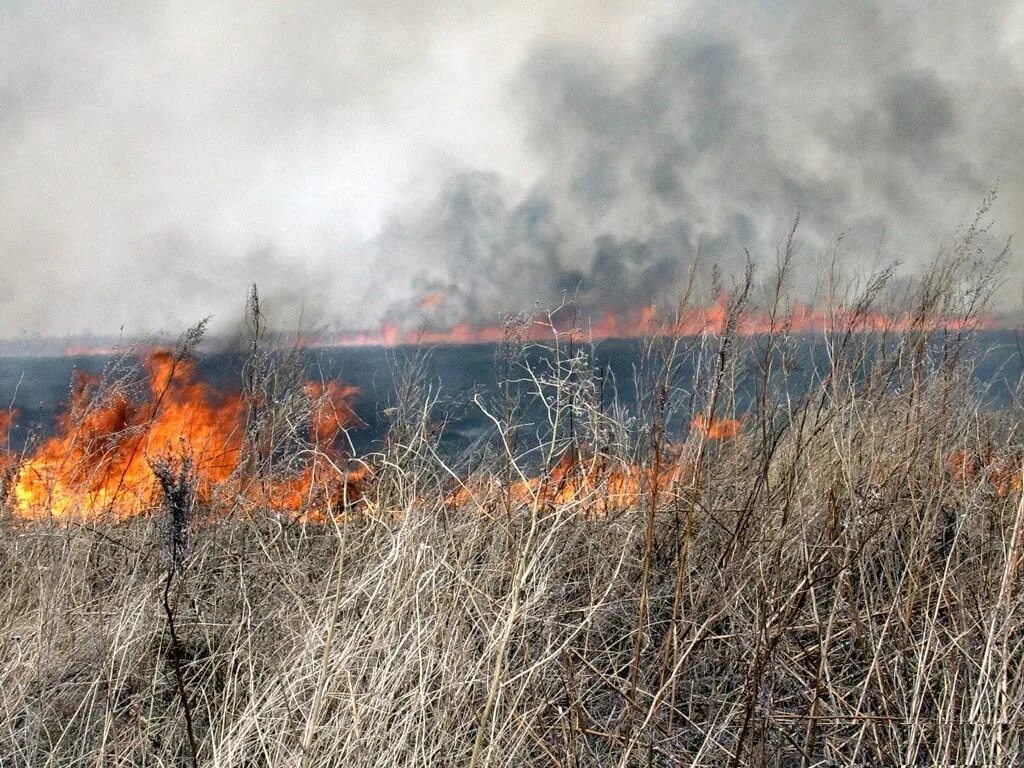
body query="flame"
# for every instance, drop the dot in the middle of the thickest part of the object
(594, 485)
(646, 322)
(89, 350)
(716, 429)
(6, 459)
(431, 301)
(99, 461)
(1003, 472)
(598, 485)
(6, 419)
(333, 413)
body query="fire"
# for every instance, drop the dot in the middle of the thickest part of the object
(432, 300)
(1003, 472)
(646, 322)
(594, 485)
(6, 419)
(6, 460)
(333, 413)
(89, 350)
(716, 429)
(598, 485)
(99, 462)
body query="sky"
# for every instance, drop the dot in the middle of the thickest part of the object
(353, 158)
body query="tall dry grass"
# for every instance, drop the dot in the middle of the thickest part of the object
(827, 588)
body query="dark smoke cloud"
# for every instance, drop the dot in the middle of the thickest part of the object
(358, 161)
(870, 124)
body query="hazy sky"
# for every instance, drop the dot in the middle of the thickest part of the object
(351, 157)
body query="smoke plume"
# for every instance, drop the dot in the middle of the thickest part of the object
(431, 163)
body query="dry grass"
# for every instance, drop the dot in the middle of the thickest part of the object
(821, 590)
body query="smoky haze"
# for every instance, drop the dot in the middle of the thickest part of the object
(381, 161)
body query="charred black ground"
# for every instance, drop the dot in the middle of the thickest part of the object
(37, 387)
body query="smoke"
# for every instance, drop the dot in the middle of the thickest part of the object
(353, 159)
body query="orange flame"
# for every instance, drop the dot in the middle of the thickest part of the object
(6, 419)
(596, 486)
(432, 300)
(6, 459)
(716, 429)
(89, 350)
(333, 412)
(645, 322)
(1003, 472)
(99, 461)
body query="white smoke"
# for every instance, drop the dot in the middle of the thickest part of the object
(159, 157)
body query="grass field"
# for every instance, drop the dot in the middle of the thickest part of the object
(833, 578)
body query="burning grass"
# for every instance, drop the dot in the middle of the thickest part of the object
(831, 577)
(100, 462)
